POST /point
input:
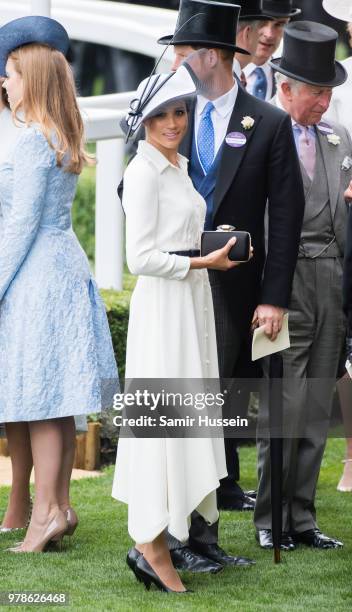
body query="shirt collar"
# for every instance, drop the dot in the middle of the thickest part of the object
(158, 159)
(237, 67)
(250, 68)
(223, 105)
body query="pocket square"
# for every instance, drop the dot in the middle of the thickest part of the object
(347, 163)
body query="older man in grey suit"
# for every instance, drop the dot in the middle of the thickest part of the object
(316, 321)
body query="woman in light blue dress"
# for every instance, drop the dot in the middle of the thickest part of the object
(56, 352)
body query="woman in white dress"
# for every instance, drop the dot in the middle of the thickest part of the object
(171, 331)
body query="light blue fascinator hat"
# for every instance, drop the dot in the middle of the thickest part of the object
(31, 29)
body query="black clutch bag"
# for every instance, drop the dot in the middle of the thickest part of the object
(214, 240)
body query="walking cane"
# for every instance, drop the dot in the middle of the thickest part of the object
(276, 449)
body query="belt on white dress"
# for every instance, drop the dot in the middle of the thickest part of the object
(190, 253)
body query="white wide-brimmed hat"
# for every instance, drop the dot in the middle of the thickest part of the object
(340, 9)
(155, 92)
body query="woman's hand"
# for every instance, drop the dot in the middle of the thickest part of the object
(218, 260)
(348, 193)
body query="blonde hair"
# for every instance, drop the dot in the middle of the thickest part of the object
(49, 98)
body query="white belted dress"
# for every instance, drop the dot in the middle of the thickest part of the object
(171, 334)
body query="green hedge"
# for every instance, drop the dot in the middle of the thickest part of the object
(117, 308)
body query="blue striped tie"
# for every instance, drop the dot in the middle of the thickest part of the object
(206, 138)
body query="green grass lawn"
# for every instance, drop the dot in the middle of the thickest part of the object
(94, 573)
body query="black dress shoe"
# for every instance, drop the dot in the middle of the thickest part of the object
(265, 539)
(131, 560)
(317, 539)
(186, 559)
(148, 576)
(227, 502)
(217, 554)
(253, 494)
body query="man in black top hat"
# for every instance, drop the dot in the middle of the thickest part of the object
(254, 162)
(307, 72)
(259, 74)
(249, 26)
(230, 494)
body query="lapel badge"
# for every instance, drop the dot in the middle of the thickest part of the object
(325, 128)
(347, 163)
(235, 139)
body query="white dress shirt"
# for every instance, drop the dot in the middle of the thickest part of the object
(251, 78)
(220, 115)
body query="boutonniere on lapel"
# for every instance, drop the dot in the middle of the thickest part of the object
(247, 122)
(333, 139)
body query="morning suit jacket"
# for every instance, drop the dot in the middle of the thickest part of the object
(347, 275)
(338, 167)
(264, 171)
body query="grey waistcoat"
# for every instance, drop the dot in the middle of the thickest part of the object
(317, 237)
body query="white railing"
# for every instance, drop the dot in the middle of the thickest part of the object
(124, 26)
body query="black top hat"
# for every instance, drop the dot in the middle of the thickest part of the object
(280, 8)
(309, 55)
(209, 23)
(252, 10)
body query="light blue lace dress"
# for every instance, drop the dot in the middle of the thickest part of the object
(55, 346)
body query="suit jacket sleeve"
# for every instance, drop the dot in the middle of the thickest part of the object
(286, 209)
(347, 275)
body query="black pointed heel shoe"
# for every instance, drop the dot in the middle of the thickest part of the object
(148, 576)
(131, 560)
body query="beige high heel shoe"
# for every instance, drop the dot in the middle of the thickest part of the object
(55, 529)
(345, 484)
(72, 523)
(14, 529)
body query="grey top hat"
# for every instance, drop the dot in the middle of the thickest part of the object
(209, 23)
(31, 29)
(309, 55)
(280, 8)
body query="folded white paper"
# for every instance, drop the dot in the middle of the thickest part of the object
(263, 346)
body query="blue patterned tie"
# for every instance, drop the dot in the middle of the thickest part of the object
(206, 138)
(260, 85)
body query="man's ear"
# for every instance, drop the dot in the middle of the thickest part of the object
(286, 90)
(247, 34)
(213, 57)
